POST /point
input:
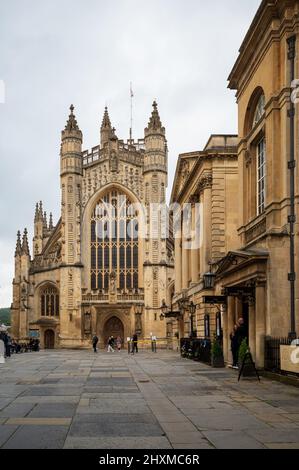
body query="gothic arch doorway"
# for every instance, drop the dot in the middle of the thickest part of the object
(113, 327)
(49, 339)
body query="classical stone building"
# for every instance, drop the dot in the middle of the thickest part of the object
(205, 186)
(101, 269)
(256, 276)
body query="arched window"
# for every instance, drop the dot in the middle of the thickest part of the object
(114, 242)
(259, 110)
(49, 302)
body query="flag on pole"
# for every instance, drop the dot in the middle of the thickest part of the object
(131, 91)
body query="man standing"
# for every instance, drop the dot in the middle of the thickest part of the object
(135, 343)
(95, 340)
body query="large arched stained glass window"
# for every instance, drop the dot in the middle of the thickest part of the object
(49, 302)
(114, 242)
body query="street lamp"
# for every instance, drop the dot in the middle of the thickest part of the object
(209, 280)
(168, 312)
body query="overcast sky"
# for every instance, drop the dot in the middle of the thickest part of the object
(57, 52)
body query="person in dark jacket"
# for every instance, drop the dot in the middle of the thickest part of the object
(234, 346)
(95, 341)
(111, 344)
(135, 343)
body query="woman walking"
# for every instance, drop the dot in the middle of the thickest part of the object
(110, 344)
(118, 343)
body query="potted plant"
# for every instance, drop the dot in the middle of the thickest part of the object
(217, 359)
(248, 368)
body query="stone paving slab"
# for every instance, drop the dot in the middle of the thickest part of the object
(55, 410)
(37, 437)
(117, 443)
(75, 399)
(16, 410)
(232, 440)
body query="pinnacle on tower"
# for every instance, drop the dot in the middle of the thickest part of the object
(40, 213)
(36, 215)
(18, 251)
(72, 124)
(106, 129)
(45, 223)
(155, 121)
(106, 123)
(51, 226)
(25, 246)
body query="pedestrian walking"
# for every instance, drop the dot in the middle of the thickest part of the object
(135, 343)
(8, 345)
(118, 343)
(110, 344)
(95, 341)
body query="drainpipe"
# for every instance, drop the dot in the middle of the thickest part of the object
(291, 166)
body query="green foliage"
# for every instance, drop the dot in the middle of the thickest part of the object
(5, 316)
(243, 350)
(216, 349)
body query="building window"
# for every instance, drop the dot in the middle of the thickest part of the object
(114, 242)
(261, 175)
(49, 302)
(207, 326)
(259, 110)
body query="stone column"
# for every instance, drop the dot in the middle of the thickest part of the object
(195, 250)
(230, 325)
(260, 322)
(252, 339)
(185, 265)
(178, 266)
(226, 341)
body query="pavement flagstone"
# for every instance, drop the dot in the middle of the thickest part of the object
(78, 399)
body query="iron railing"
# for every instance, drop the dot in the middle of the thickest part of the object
(272, 353)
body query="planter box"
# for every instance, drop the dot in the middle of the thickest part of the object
(217, 362)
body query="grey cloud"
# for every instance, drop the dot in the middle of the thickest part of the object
(56, 52)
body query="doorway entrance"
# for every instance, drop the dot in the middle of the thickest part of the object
(113, 327)
(49, 339)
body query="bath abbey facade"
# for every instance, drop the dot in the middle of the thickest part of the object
(97, 271)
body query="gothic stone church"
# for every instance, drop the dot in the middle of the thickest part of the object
(81, 280)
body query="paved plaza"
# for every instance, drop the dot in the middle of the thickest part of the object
(78, 399)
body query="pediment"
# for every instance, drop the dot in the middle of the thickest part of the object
(237, 259)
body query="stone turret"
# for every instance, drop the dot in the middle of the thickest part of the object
(71, 187)
(106, 128)
(155, 143)
(155, 182)
(38, 229)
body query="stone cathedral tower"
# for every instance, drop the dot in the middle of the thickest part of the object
(104, 267)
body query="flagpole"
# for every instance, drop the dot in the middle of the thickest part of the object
(131, 118)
